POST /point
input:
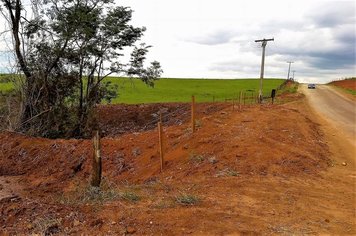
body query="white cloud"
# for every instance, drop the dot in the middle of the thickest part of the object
(215, 39)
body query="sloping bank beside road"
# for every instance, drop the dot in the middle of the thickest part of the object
(267, 169)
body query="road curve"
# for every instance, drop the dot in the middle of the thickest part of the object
(335, 108)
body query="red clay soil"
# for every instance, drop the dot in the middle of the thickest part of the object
(346, 84)
(259, 170)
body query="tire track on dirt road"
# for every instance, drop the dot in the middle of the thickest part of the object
(339, 111)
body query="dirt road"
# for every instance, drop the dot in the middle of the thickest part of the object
(339, 111)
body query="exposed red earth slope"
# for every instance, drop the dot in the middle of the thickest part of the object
(264, 169)
(346, 84)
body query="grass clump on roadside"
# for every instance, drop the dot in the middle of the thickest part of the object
(227, 172)
(90, 195)
(46, 226)
(86, 194)
(130, 196)
(187, 199)
(288, 87)
(165, 204)
(196, 158)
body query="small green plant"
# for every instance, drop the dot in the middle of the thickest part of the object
(198, 123)
(290, 87)
(196, 158)
(213, 160)
(164, 204)
(187, 199)
(227, 172)
(94, 194)
(130, 196)
(47, 226)
(232, 173)
(187, 131)
(86, 194)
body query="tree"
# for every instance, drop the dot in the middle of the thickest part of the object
(65, 52)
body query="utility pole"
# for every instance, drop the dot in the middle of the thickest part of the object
(264, 43)
(290, 62)
(293, 74)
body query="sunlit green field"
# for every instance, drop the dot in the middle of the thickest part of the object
(5, 84)
(6, 87)
(181, 90)
(132, 91)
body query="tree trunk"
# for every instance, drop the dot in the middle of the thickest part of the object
(15, 22)
(15, 17)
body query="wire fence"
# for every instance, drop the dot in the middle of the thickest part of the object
(138, 118)
(122, 119)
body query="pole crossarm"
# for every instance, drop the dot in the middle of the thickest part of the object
(263, 40)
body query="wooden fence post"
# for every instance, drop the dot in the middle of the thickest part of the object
(273, 95)
(96, 164)
(240, 100)
(193, 114)
(160, 140)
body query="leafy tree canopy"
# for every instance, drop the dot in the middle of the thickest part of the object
(65, 51)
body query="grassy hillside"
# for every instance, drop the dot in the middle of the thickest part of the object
(181, 90)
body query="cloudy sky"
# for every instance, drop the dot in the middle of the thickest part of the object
(215, 39)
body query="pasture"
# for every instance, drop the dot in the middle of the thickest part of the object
(180, 90)
(134, 91)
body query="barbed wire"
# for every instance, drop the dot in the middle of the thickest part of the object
(156, 120)
(211, 108)
(180, 113)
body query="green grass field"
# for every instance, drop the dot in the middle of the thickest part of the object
(6, 87)
(180, 90)
(5, 84)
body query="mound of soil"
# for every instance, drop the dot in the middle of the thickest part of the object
(240, 168)
(242, 139)
(346, 84)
